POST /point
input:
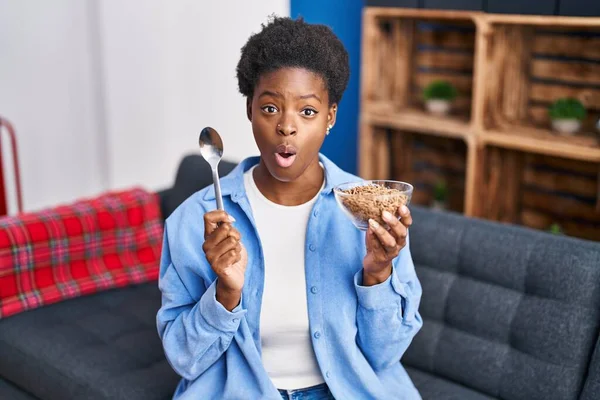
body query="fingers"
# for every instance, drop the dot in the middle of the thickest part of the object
(215, 252)
(224, 262)
(213, 219)
(372, 242)
(397, 229)
(386, 240)
(405, 216)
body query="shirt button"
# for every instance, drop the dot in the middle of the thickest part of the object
(312, 247)
(316, 213)
(328, 374)
(317, 334)
(235, 320)
(314, 290)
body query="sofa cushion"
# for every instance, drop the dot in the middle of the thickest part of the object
(95, 244)
(102, 346)
(432, 387)
(507, 311)
(193, 174)
(591, 390)
(9, 391)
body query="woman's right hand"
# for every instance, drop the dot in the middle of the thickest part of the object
(226, 256)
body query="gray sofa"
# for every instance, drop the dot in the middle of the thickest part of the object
(509, 313)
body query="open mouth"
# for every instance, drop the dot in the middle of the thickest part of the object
(285, 155)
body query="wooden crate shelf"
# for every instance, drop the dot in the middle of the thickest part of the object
(415, 119)
(508, 69)
(540, 190)
(542, 141)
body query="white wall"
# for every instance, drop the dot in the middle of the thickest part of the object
(47, 91)
(108, 94)
(169, 72)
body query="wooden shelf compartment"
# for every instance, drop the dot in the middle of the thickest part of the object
(421, 159)
(416, 119)
(527, 68)
(404, 51)
(539, 190)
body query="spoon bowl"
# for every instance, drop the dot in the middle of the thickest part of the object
(211, 148)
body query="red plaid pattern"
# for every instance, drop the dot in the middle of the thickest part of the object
(95, 244)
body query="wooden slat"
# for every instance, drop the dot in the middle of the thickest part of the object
(381, 154)
(563, 164)
(447, 39)
(543, 221)
(541, 141)
(431, 177)
(517, 56)
(463, 83)
(557, 205)
(482, 75)
(567, 46)
(386, 66)
(535, 219)
(445, 60)
(512, 166)
(443, 15)
(548, 93)
(539, 20)
(425, 198)
(421, 197)
(453, 162)
(417, 120)
(403, 45)
(556, 182)
(493, 184)
(442, 144)
(569, 71)
(402, 156)
(370, 58)
(365, 151)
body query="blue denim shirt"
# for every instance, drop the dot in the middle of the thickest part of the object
(358, 333)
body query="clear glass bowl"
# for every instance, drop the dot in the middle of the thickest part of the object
(362, 205)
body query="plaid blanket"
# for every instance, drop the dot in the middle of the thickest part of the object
(92, 245)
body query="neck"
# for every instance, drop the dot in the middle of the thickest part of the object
(293, 193)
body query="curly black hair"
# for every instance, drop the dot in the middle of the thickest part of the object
(285, 42)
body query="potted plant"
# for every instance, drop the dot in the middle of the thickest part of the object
(566, 115)
(440, 195)
(438, 96)
(555, 229)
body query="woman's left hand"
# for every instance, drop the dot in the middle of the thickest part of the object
(383, 245)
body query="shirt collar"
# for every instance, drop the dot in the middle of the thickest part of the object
(233, 184)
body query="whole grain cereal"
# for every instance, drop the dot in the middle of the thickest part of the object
(369, 201)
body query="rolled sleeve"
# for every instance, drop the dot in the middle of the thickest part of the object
(218, 316)
(391, 293)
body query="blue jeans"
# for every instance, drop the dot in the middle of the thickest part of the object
(319, 392)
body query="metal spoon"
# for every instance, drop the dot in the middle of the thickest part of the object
(211, 148)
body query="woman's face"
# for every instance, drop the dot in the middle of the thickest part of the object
(290, 113)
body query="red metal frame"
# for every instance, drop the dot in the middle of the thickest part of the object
(13, 143)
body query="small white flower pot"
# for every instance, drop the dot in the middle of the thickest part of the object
(439, 205)
(566, 126)
(438, 107)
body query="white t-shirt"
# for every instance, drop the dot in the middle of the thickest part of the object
(287, 352)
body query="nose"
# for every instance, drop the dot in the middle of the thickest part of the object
(286, 127)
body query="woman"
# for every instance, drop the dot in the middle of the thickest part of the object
(281, 296)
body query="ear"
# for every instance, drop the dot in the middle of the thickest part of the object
(331, 115)
(249, 108)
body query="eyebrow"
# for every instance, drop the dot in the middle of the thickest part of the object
(303, 97)
(308, 96)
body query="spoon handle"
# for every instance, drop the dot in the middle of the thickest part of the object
(215, 175)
